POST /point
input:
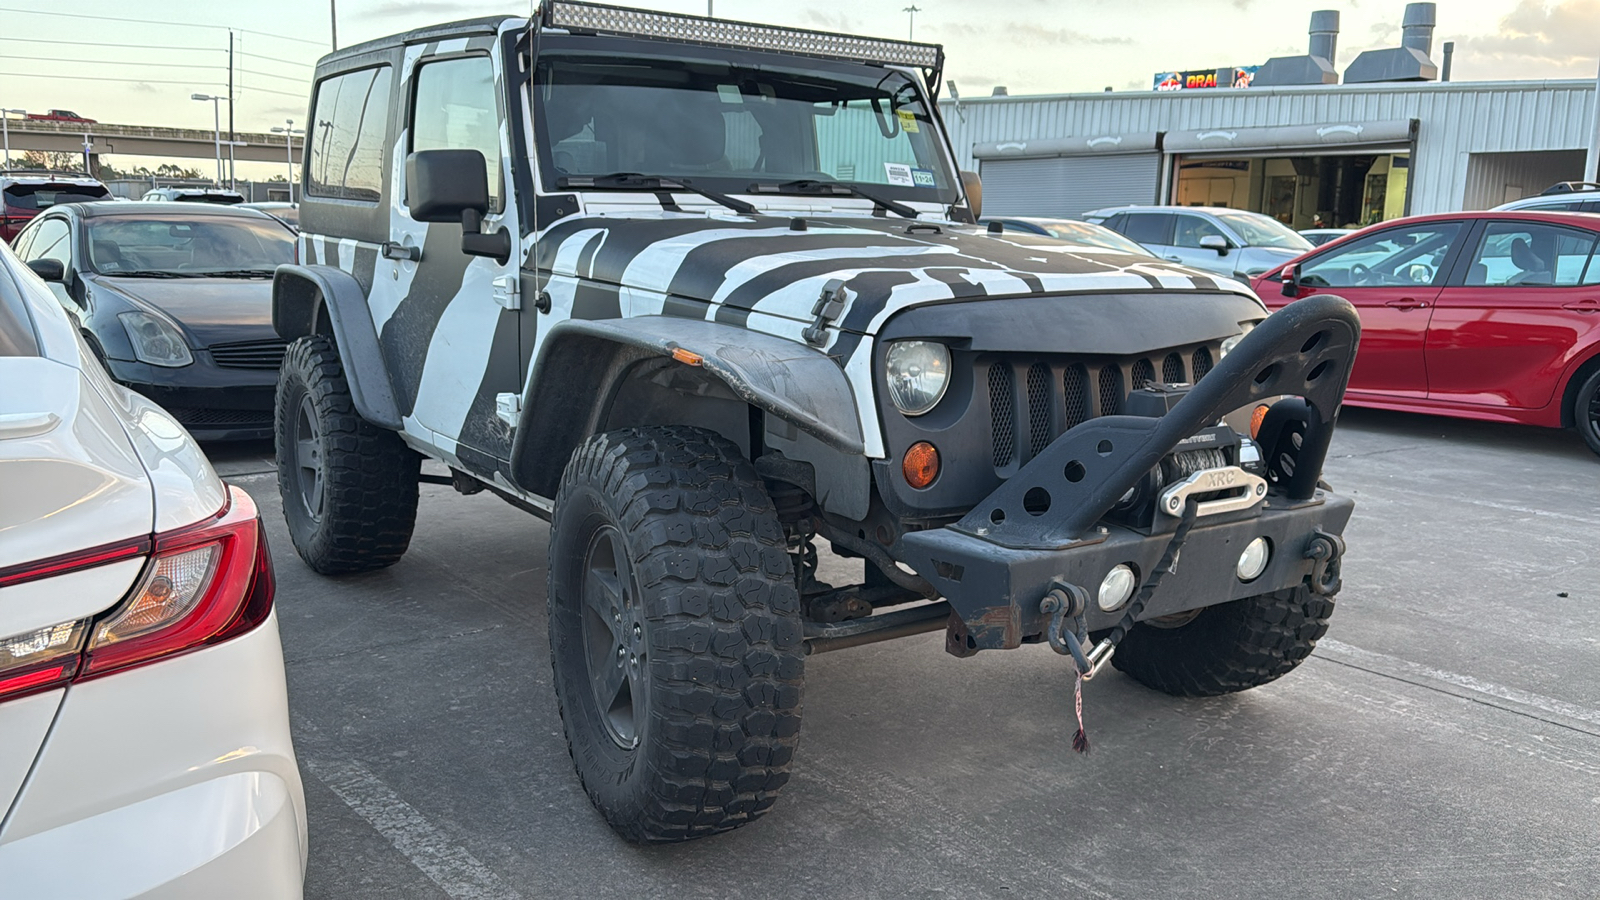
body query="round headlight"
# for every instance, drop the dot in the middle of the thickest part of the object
(1117, 588)
(918, 373)
(1229, 343)
(1253, 561)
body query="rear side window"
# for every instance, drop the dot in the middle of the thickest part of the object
(349, 131)
(1149, 228)
(1526, 254)
(456, 110)
(43, 196)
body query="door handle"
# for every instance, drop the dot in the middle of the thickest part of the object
(1406, 303)
(1173, 258)
(1587, 305)
(395, 250)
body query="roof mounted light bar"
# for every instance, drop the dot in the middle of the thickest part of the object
(592, 17)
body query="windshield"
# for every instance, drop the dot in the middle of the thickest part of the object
(1094, 236)
(178, 246)
(1261, 231)
(727, 125)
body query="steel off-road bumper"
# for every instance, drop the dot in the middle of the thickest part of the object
(1046, 524)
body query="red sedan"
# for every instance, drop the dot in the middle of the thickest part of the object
(1483, 315)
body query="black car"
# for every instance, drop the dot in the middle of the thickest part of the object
(175, 299)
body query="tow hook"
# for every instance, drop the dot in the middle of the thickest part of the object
(1327, 549)
(1069, 601)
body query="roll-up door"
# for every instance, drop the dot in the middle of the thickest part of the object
(1068, 186)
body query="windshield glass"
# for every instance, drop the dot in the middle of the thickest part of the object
(1261, 231)
(180, 245)
(1094, 236)
(727, 125)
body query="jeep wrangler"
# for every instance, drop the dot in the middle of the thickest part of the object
(707, 294)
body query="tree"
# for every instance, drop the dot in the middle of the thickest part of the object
(51, 160)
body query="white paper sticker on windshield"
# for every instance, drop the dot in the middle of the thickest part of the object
(898, 173)
(729, 93)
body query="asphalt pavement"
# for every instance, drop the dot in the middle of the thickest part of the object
(1443, 741)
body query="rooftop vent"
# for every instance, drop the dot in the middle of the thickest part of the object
(1407, 62)
(1315, 67)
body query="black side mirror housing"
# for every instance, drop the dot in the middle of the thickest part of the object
(453, 186)
(1291, 281)
(49, 269)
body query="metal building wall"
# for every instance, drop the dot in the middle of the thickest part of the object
(1457, 119)
(1496, 178)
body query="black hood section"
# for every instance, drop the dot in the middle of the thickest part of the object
(211, 310)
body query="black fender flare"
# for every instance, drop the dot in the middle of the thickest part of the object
(302, 296)
(581, 362)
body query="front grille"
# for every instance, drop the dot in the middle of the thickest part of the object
(1063, 392)
(249, 354)
(194, 417)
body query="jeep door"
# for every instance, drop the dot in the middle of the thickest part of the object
(453, 337)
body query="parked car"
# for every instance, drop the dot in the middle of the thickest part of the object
(23, 193)
(176, 301)
(144, 723)
(1071, 230)
(60, 115)
(1320, 236)
(287, 213)
(663, 315)
(221, 196)
(1566, 196)
(1228, 242)
(1484, 315)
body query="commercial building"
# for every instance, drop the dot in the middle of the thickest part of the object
(1338, 154)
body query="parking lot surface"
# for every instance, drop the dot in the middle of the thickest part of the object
(1444, 739)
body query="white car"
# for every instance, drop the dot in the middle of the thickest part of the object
(144, 724)
(1566, 196)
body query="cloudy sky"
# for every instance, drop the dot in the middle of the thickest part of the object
(137, 63)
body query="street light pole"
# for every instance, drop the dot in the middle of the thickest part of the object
(5, 128)
(333, 21)
(289, 131)
(1591, 164)
(911, 29)
(216, 119)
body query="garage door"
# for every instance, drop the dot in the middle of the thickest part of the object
(1068, 186)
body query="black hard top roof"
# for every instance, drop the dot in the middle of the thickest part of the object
(460, 28)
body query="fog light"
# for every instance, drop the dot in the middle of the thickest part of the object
(1253, 561)
(1117, 588)
(921, 464)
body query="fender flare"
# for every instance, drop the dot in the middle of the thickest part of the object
(586, 358)
(301, 295)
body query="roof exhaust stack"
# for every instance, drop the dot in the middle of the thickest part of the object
(1315, 67)
(1407, 62)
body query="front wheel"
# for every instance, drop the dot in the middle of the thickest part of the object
(1586, 410)
(1226, 648)
(675, 633)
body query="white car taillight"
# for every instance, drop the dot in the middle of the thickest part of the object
(202, 585)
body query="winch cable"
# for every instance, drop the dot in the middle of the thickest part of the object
(1070, 641)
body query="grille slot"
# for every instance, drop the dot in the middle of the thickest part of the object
(1038, 408)
(264, 355)
(1002, 413)
(1075, 395)
(1143, 373)
(1172, 369)
(1111, 393)
(194, 417)
(1201, 362)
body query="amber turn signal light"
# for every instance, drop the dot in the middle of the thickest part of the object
(921, 464)
(1256, 418)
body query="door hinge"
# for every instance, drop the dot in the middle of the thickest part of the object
(508, 407)
(507, 291)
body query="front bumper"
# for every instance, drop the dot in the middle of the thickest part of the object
(213, 403)
(1047, 523)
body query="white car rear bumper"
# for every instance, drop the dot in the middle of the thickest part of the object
(177, 780)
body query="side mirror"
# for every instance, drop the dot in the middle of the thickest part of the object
(1291, 281)
(973, 187)
(1215, 242)
(453, 186)
(49, 269)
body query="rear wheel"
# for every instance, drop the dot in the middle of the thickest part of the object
(1226, 648)
(349, 488)
(675, 633)
(1586, 410)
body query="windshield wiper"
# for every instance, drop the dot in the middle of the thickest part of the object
(236, 273)
(633, 181)
(150, 273)
(838, 188)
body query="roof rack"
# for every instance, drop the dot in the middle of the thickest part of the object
(595, 18)
(1568, 187)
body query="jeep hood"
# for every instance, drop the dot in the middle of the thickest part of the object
(730, 267)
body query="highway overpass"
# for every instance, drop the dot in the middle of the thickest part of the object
(142, 140)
